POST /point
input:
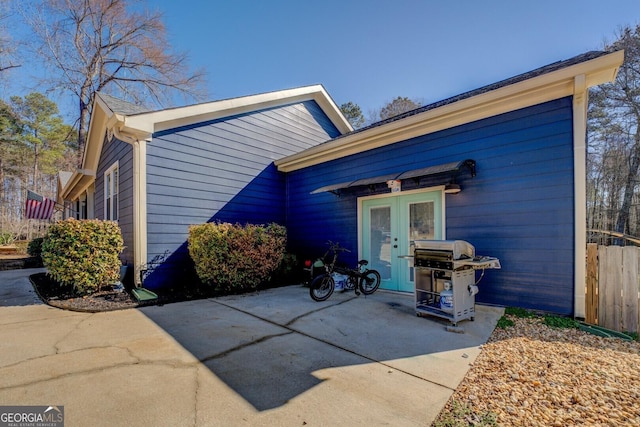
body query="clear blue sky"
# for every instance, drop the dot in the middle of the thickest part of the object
(370, 51)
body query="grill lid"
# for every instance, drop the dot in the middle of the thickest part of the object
(459, 248)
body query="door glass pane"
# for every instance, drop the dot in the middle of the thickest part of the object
(421, 226)
(421, 221)
(380, 243)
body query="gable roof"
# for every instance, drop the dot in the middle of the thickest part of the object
(121, 106)
(131, 123)
(543, 84)
(142, 120)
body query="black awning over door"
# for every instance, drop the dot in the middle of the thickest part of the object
(446, 170)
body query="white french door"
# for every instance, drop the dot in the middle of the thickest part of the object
(389, 225)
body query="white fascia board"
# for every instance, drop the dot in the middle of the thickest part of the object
(549, 86)
(156, 121)
(95, 134)
(69, 186)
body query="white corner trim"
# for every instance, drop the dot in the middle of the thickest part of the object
(139, 208)
(580, 98)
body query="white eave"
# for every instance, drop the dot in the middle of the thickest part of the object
(546, 87)
(175, 117)
(141, 126)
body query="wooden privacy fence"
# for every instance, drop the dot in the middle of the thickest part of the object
(612, 288)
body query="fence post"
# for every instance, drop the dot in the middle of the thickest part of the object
(591, 296)
(629, 318)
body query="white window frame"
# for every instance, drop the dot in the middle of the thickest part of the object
(111, 192)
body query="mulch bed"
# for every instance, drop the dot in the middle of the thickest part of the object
(56, 295)
(65, 297)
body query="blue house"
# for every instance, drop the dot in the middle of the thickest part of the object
(502, 167)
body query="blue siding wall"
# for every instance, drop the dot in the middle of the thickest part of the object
(112, 151)
(518, 208)
(222, 171)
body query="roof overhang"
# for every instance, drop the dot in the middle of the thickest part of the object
(80, 180)
(63, 179)
(546, 87)
(444, 170)
(171, 118)
(138, 127)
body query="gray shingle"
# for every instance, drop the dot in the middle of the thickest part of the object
(512, 80)
(123, 107)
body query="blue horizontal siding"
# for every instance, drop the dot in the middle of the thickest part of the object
(115, 150)
(222, 170)
(518, 208)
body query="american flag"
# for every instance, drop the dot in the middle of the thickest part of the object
(38, 207)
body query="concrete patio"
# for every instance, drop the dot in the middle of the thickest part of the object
(269, 358)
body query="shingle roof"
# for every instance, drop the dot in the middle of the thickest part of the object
(521, 77)
(123, 107)
(64, 177)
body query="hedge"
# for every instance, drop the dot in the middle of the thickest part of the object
(235, 258)
(83, 253)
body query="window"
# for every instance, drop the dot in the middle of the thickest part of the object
(80, 207)
(111, 193)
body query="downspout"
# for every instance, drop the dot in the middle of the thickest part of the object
(580, 98)
(139, 200)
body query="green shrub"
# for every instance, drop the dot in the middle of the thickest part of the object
(34, 248)
(235, 258)
(7, 238)
(288, 272)
(83, 254)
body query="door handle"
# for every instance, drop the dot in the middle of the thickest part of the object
(395, 246)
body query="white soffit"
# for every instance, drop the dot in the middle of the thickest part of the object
(536, 90)
(158, 121)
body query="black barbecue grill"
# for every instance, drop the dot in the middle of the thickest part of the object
(445, 278)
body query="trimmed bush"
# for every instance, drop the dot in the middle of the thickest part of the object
(34, 248)
(236, 258)
(83, 254)
(288, 272)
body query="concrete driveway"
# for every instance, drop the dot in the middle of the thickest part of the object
(270, 358)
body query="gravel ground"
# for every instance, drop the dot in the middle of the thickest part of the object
(531, 374)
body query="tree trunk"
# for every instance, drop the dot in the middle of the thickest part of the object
(629, 189)
(82, 125)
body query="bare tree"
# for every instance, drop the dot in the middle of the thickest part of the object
(398, 106)
(7, 49)
(96, 45)
(614, 129)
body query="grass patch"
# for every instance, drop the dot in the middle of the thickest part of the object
(504, 323)
(462, 415)
(549, 320)
(519, 312)
(560, 322)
